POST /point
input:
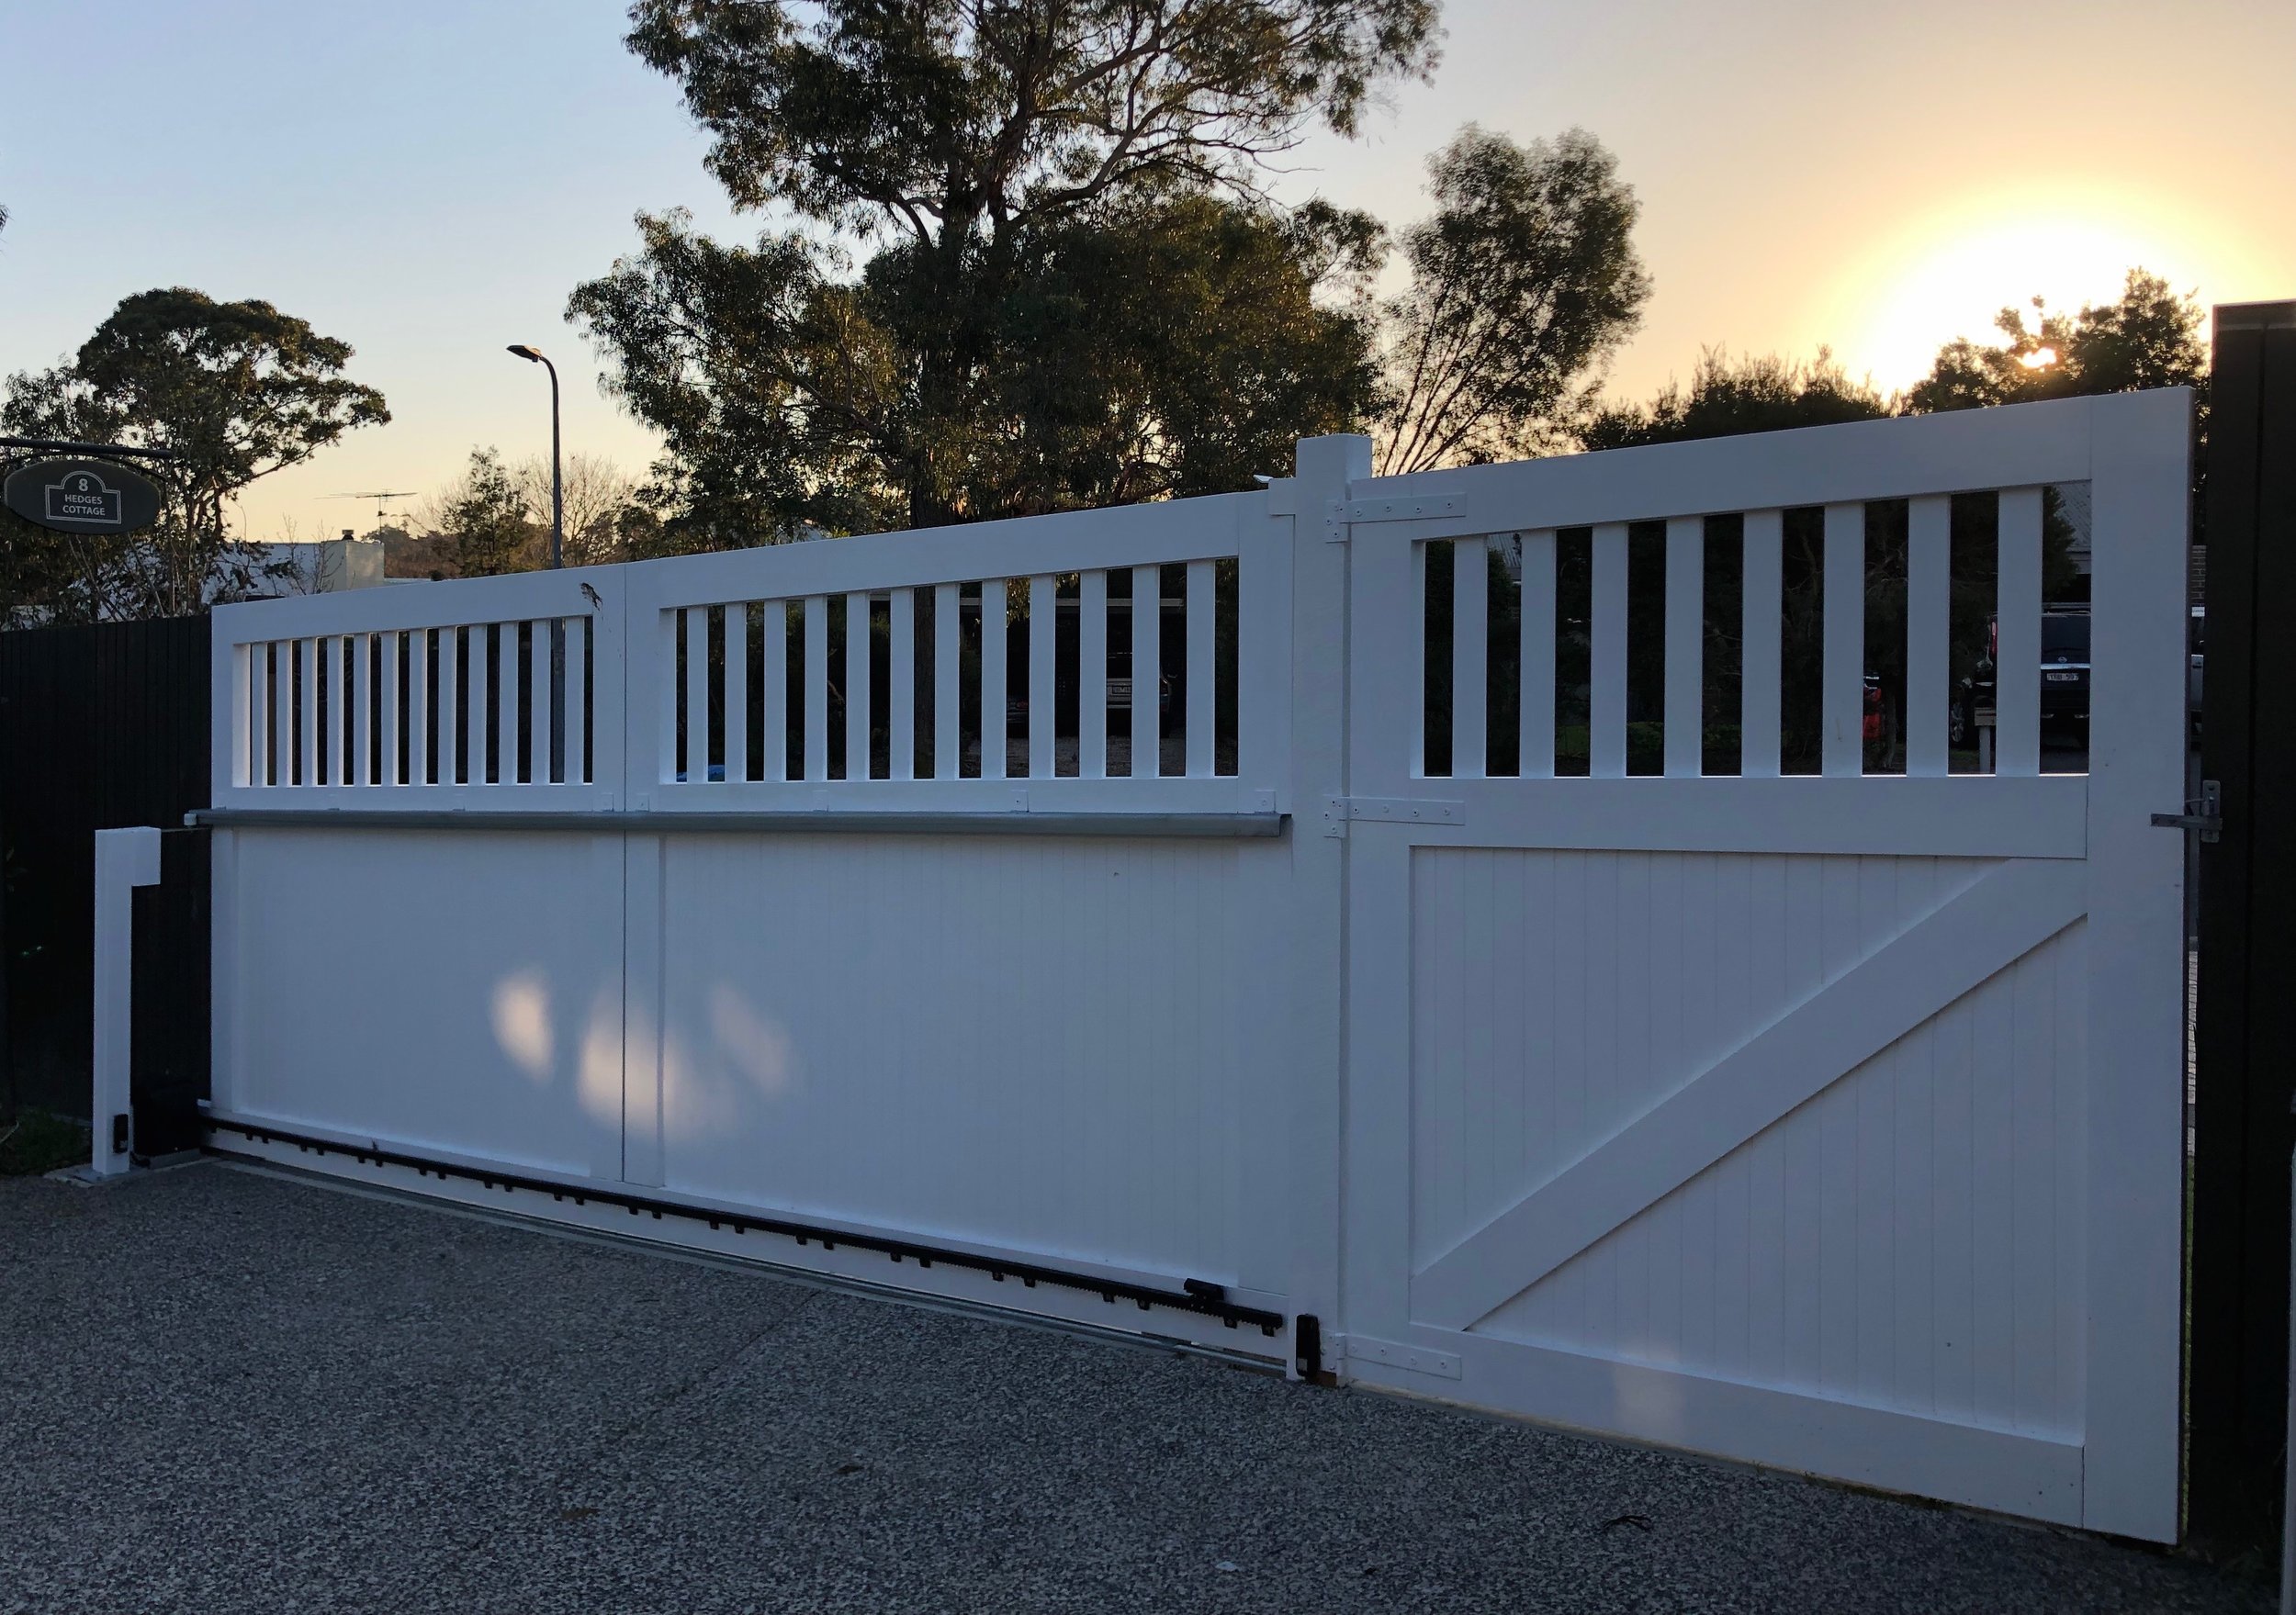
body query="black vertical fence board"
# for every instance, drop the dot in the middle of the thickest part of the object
(101, 727)
(2245, 1032)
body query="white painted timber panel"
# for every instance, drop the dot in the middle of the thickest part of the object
(1027, 1042)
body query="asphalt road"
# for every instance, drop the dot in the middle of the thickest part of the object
(221, 1391)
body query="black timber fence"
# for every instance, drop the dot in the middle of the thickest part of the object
(103, 726)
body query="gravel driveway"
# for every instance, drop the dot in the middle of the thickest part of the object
(220, 1390)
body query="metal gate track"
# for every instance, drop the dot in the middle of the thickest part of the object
(1199, 1295)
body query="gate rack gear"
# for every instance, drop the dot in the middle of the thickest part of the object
(1197, 1295)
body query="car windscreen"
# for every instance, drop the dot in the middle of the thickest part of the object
(2063, 636)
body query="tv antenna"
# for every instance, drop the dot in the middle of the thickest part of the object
(378, 495)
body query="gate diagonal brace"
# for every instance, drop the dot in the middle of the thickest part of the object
(1200, 1296)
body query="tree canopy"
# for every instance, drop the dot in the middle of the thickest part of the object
(2148, 337)
(236, 390)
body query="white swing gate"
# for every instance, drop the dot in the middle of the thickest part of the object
(1831, 1122)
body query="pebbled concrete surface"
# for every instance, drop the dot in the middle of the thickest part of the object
(225, 1391)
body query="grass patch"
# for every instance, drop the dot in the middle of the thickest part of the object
(37, 1141)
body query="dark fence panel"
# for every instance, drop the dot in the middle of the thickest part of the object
(2245, 1036)
(100, 728)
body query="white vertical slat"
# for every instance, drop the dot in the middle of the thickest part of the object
(1607, 656)
(1537, 715)
(1759, 677)
(773, 662)
(283, 712)
(306, 676)
(256, 699)
(1929, 608)
(1092, 675)
(948, 674)
(736, 692)
(506, 700)
(901, 702)
(577, 699)
(1202, 641)
(697, 695)
(1147, 672)
(1470, 628)
(478, 667)
(418, 718)
(1686, 646)
(362, 708)
(2017, 663)
(1842, 692)
(857, 762)
(1043, 622)
(995, 633)
(387, 766)
(542, 699)
(449, 689)
(816, 686)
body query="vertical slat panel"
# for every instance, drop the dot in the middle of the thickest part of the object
(1685, 644)
(773, 663)
(449, 689)
(1470, 621)
(283, 712)
(948, 674)
(697, 695)
(542, 699)
(258, 707)
(668, 694)
(2017, 663)
(331, 665)
(306, 761)
(816, 686)
(577, 701)
(994, 600)
(418, 719)
(1607, 656)
(1538, 656)
(1147, 672)
(1202, 643)
(1092, 675)
(736, 692)
(1842, 693)
(506, 705)
(1044, 622)
(1929, 608)
(387, 763)
(362, 708)
(478, 666)
(1759, 610)
(900, 668)
(857, 685)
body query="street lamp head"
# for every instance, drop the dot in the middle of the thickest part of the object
(524, 352)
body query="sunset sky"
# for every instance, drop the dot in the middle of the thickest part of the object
(427, 180)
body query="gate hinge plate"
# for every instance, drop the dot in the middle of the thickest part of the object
(1389, 810)
(1423, 508)
(1396, 1354)
(2204, 815)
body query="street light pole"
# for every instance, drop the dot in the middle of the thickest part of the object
(557, 477)
(557, 559)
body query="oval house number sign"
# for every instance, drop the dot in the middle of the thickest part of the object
(82, 495)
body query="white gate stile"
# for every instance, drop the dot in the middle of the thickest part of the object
(1830, 1121)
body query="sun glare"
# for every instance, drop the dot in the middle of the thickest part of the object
(1956, 287)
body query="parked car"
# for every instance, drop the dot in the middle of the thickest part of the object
(2065, 641)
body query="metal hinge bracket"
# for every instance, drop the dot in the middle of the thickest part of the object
(2204, 813)
(1340, 514)
(1338, 811)
(1396, 1354)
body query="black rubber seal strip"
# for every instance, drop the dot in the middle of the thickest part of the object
(1199, 1295)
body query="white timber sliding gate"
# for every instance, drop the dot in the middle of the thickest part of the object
(1829, 1120)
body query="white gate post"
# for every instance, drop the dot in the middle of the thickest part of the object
(2141, 496)
(124, 860)
(1319, 772)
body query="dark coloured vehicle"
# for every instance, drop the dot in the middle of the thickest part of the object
(2063, 678)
